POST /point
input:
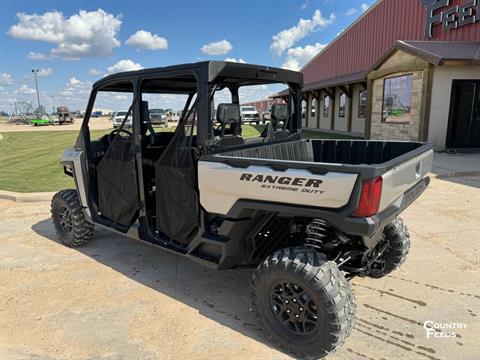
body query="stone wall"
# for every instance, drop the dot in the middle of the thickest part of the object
(392, 131)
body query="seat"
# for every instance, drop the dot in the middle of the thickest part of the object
(279, 119)
(147, 122)
(228, 115)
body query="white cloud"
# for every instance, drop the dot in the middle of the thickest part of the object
(120, 97)
(146, 40)
(124, 65)
(350, 12)
(74, 82)
(221, 47)
(364, 7)
(86, 34)
(289, 37)
(45, 72)
(76, 89)
(94, 72)
(25, 90)
(239, 60)
(38, 56)
(299, 56)
(6, 79)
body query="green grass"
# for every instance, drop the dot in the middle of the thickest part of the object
(29, 161)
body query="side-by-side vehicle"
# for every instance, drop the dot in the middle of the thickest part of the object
(307, 214)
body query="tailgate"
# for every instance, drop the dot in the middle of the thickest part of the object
(403, 176)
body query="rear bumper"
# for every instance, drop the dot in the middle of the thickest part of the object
(370, 229)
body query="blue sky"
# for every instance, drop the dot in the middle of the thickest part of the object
(75, 43)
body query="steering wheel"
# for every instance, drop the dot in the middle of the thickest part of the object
(117, 132)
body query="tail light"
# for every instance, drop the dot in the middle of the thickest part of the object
(369, 198)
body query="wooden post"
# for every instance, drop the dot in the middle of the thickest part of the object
(318, 109)
(308, 109)
(349, 108)
(332, 109)
(368, 115)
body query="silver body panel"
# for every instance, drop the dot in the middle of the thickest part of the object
(221, 186)
(75, 157)
(402, 177)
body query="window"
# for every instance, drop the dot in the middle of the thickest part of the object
(164, 109)
(397, 99)
(341, 105)
(314, 106)
(110, 108)
(362, 103)
(326, 105)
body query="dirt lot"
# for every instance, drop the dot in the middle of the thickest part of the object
(104, 122)
(118, 298)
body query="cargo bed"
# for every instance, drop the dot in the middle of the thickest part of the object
(341, 166)
(345, 152)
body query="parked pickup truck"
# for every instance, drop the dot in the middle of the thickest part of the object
(119, 117)
(309, 215)
(250, 115)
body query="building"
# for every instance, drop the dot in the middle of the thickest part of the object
(263, 105)
(405, 70)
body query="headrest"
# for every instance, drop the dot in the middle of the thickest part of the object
(227, 113)
(280, 112)
(145, 112)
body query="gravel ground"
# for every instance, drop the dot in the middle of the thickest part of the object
(117, 298)
(95, 124)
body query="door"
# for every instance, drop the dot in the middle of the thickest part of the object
(464, 120)
(116, 175)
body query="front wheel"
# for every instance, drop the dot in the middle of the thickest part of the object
(70, 224)
(303, 302)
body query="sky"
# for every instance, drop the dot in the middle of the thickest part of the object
(74, 43)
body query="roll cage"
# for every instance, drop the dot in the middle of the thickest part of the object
(202, 79)
(98, 182)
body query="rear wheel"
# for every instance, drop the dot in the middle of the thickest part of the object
(398, 245)
(303, 302)
(70, 224)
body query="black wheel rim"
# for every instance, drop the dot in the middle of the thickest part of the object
(294, 308)
(65, 219)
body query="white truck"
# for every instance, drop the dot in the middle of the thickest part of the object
(119, 117)
(250, 115)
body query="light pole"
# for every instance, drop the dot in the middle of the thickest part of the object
(35, 71)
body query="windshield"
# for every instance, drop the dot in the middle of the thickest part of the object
(157, 111)
(248, 108)
(121, 113)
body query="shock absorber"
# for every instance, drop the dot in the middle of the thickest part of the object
(316, 232)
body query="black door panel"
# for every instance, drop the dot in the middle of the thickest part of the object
(464, 121)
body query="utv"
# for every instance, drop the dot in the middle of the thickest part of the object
(308, 214)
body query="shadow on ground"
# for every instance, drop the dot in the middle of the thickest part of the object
(222, 296)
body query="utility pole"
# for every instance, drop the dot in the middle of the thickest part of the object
(53, 103)
(35, 71)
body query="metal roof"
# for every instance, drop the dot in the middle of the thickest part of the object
(437, 52)
(363, 43)
(434, 52)
(353, 78)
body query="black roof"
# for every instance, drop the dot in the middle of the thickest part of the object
(181, 78)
